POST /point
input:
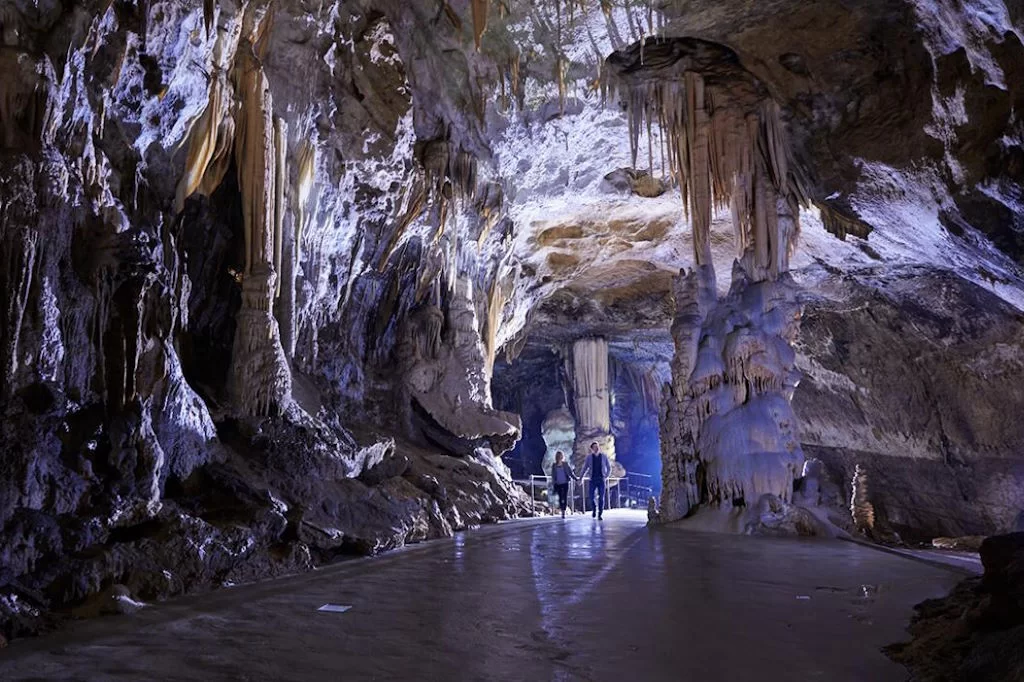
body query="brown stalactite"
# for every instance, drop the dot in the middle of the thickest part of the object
(479, 20)
(699, 172)
(210, 144)
(254, 157)
(725, 148)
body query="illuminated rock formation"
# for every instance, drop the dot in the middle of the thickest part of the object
(259, 262)
(445, 376)
(728, 431)
(591, 394)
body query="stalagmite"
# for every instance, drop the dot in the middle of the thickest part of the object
(861, 509)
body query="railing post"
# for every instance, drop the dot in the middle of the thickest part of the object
(533, 496)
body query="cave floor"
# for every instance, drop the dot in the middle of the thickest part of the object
(538, 599)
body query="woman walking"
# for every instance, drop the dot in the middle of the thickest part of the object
(561, 474)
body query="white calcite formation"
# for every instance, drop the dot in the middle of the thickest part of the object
(260, 260)
(591, 393)
(559, 432)
(729, 433)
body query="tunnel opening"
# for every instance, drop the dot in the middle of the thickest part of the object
(538, 385)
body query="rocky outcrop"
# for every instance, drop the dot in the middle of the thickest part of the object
(977, 632)
(206, 261)
(283, 496)
(909, 375)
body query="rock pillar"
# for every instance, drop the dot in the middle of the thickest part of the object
(260, 378)
(591, 398)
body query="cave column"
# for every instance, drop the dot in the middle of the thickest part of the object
(260, 378)
(591, 398)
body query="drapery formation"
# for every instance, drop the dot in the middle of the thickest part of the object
(724, 141)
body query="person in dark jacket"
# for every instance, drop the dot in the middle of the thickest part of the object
(599, 466)
(561, 474)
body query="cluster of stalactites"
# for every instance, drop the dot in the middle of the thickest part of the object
(723, 155)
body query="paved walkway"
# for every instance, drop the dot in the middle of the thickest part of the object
(538, 600)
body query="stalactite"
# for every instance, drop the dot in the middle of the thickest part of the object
(304, 188)
(726, 146)
(699, 173)
(210, 142)
(496, 300)
(208, 15)
(479, 20)
(560, 67)
(841, 224)
(254, 158)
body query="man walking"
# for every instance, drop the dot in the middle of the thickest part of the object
(600, 468)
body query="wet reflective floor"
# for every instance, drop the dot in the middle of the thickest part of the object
(541, 600)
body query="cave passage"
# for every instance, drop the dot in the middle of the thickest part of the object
(543, 600)
(288, 283)
(538, 386)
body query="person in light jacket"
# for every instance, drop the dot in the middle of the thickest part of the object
(599, 467)
(561, 474)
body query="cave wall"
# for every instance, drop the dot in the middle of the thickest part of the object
(209, 266)
(914, 374)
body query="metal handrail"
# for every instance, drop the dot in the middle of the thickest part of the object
(613, 481)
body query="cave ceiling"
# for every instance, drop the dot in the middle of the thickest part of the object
(496, 141)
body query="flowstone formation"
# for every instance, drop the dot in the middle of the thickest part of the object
(447, 381)
(729, 433)
(728, 430)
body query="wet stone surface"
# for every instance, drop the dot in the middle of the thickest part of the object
(546, 599)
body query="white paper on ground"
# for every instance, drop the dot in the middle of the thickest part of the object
(334, 608)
